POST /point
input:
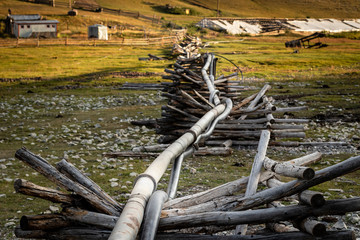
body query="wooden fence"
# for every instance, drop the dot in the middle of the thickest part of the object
(98, 8)
(88, 42)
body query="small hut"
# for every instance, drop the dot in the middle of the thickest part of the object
(98, 31)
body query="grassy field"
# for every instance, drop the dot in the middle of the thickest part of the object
(64, 102)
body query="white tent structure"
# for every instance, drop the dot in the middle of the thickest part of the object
(98, 31)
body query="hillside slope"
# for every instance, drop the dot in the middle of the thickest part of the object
(249, 8)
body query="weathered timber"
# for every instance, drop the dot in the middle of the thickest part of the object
(333, 235)
(312, 198)
(272, 194)
(313, 227)
(28, 188)
(203, 151)
(288, 170)
(280, 227)
(42, 166)
(233, 186)
(295, 186)
(257, 216)
(255, 172)
(244, 102)
(65, 234)
(73, 173)
(254, 102)
(44, 222)
(81, 216)
(96, 234)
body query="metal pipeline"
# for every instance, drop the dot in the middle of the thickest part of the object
(207, 79)
(152, 215)
(129, 222)
(229, 105)
(175, 172)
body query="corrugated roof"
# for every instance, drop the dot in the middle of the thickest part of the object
(37, 22)
(29, 17)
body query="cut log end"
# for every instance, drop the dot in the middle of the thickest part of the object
(317, 200)
(319, 230)
(308, 174)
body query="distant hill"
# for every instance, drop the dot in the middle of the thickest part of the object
(248, 8)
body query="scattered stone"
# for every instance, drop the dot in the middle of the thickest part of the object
(133, 174)
(340, 225)
(9, 224)
(54, 209)
(114, 184)
(192, 170)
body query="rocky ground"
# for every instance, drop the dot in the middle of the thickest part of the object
(81, 127)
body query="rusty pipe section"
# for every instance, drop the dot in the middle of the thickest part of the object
(129, 222)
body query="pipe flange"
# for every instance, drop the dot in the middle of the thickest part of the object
(193, 133)
(148, 176)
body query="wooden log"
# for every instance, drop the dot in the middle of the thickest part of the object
(99, 220)
(295, 186)
(80, 233)
(258, 216)
(28, 188)
(203, 99)
(95, 234)
(232, 187)
(332, 235)
(312, 198)
(253, 103)
(312, 227)
(244, 102)
(203, 151)
(272, 194)
(255, 172)
(42, 166)
(44, 222)
(288, 170)
(73, 173)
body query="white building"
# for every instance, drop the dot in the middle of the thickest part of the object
(98, 31)
(26, 26)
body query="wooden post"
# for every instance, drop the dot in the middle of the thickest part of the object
(70, 4)
(53, 3)
(289, 170)
(255, 172)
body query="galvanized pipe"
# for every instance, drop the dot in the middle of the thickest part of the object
(207, 79)
(152, 215)
(175, 172)
(131, 217)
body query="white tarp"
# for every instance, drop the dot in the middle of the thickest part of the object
(329, 25)
(236, 27)
(308, 25)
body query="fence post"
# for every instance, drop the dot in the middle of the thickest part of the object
(53, 3)
(66, 41)
(17, 42)
(38, 41)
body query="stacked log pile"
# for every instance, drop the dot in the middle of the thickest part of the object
(187, 102)
(89, 213)
(188, 48)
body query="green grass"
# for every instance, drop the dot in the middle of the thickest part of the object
(317, 77)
